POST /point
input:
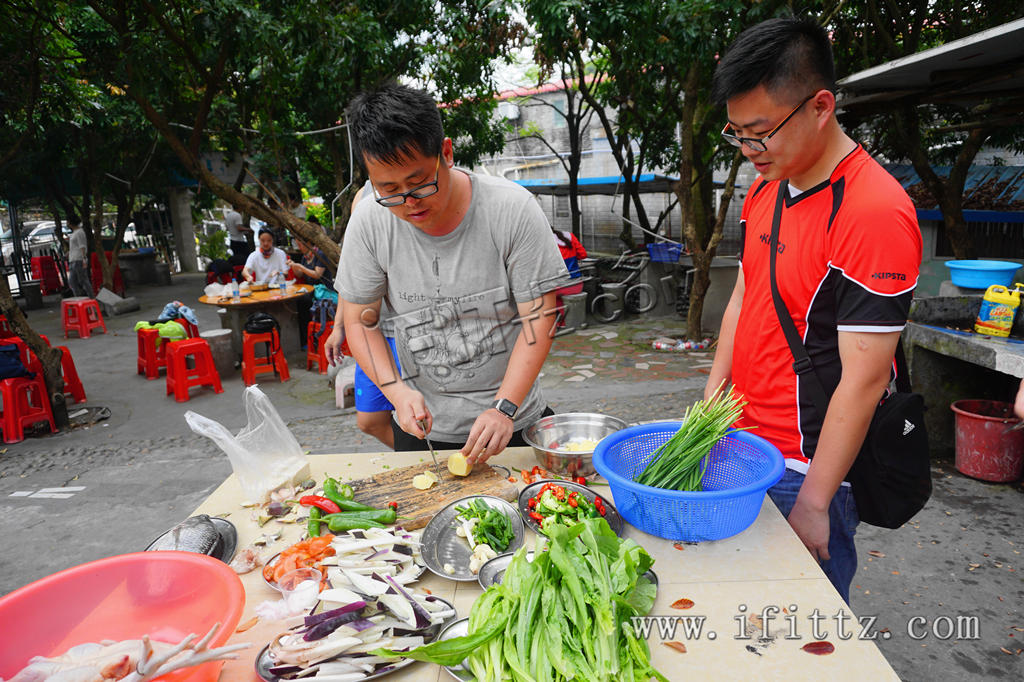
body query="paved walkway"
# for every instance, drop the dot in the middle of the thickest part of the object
(124, 480)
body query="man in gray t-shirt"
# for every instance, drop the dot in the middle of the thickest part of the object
(468, 268)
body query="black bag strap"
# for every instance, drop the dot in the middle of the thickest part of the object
(801, 360)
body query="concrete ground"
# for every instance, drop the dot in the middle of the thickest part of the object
(124, 480)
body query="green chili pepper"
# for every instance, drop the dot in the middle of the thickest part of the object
(338, 525)
(385, 516)
(313, 525)
(336, 494)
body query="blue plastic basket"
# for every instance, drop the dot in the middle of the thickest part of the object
(664, 252)
(741, 468)
(981, 274)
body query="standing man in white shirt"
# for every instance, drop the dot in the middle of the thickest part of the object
(78, 249)
(240, 248)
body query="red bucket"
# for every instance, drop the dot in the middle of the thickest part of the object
(984, 449)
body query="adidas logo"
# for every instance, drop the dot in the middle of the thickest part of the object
(907, 426)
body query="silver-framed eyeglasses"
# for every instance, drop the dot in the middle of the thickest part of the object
(760, 144)
(421, 192)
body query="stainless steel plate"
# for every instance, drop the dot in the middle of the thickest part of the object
(493, 571)
(223, 550)
(440, 545)
(264, 664)
(457, 628)
(611, 513)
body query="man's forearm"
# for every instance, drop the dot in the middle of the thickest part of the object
(846, 423)
(721, 367)
(370, 349)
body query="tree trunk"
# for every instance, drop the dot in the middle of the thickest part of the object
(48, 356)
(947, 193)
(702, 257)
(701, 284)
(307, 232)
(106, 270)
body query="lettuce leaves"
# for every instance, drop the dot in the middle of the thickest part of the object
(563, 616)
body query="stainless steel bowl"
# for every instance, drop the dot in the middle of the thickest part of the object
(547, 434)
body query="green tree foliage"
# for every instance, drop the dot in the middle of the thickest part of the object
(269, 81)
(942, 128)
(652, 65)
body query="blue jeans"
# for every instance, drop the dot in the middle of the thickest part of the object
(843, 520)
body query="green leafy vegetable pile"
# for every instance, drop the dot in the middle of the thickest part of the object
(565, 615)
(680, 463)
(493, 526)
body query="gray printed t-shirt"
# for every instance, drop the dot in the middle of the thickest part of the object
(454, 297)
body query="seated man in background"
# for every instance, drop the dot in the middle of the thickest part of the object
(266, 262)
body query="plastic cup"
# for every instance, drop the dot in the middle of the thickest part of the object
(300, 588)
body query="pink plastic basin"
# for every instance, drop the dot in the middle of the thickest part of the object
(166, 595)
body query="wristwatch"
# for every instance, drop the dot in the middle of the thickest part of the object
(506, 407)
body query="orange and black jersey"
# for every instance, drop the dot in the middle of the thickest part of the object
(848, 257)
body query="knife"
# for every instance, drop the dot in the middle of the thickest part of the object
(433, 454)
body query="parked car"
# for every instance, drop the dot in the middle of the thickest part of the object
(36, 236)
(46, 233)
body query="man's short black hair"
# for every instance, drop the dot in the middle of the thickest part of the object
(393, 122)
(74, 220)
(786, 55)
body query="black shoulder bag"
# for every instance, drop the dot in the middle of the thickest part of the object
(891, 477)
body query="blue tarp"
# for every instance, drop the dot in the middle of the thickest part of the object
(606, 184)
(1006, 206)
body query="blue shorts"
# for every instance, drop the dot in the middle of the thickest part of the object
(368, 396)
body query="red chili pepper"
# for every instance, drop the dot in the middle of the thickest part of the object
(573, 503)
(536, 470)
(320, 502)
(580, 480)
(536, 517)
(527, 477)
(393, 505)
(600, 510)
(558, 492)
(511, 479)
(532, 503)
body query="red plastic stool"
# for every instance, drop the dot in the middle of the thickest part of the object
(191, 330)
(81, 314)
(72, 384)
(274, 361)
(316, 352)
(153, 355)
(181, 377)
(25, 403)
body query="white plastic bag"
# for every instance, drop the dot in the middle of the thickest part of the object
(215, 290)
(264, 455)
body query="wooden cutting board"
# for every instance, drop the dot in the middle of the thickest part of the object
(395, 485)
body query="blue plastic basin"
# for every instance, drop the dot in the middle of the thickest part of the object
(981, 274)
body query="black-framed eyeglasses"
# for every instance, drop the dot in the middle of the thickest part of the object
(421, 192)
(760, 144)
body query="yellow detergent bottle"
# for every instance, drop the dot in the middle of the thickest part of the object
(997, 309)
